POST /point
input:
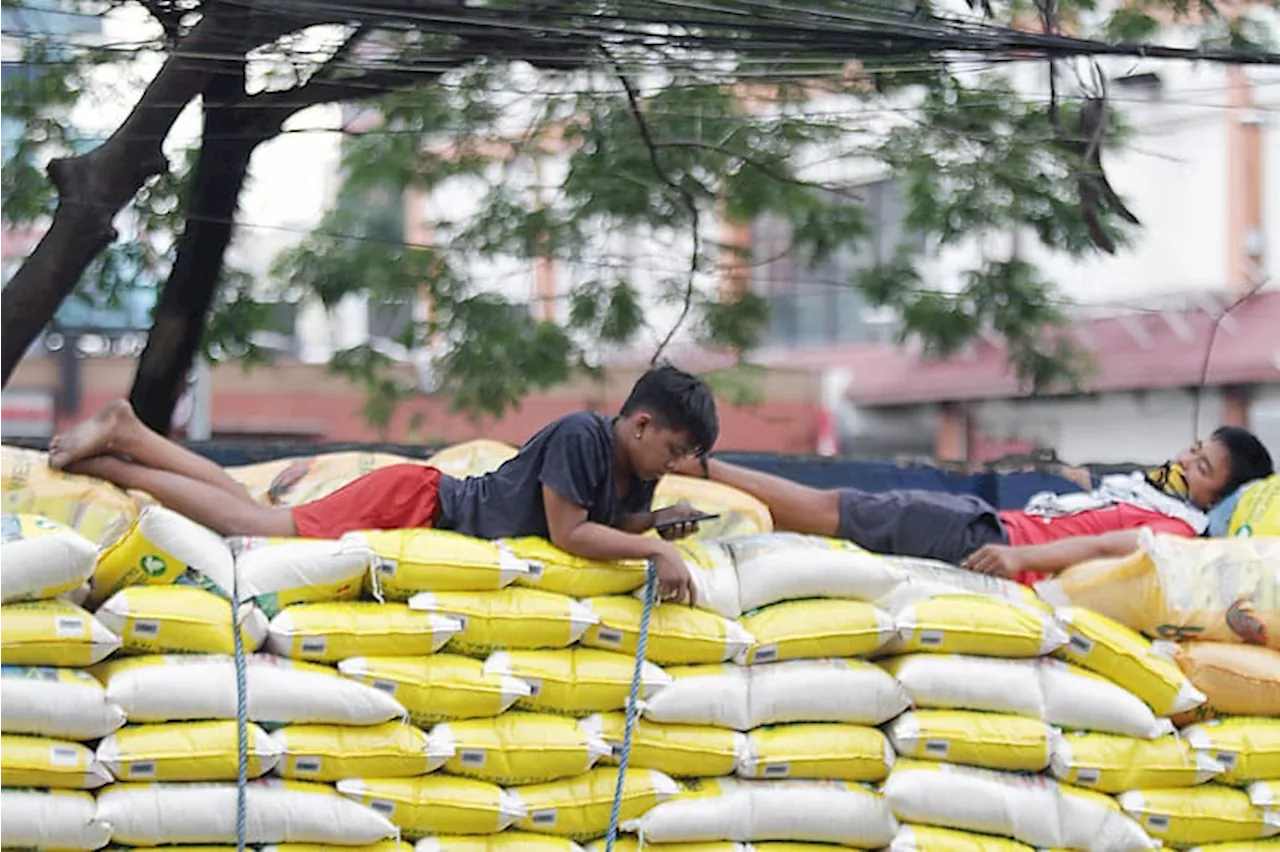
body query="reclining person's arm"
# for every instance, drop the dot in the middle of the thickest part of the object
(1057, 556)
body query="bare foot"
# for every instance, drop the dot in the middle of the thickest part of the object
(93, 437)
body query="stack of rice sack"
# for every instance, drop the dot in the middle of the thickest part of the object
(1213, 605)
(1028, 728)
(51, 709)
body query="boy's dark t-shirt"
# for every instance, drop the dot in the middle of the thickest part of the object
(573, 456)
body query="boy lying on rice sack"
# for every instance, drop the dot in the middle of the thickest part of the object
(585, 482)
(1051, 533)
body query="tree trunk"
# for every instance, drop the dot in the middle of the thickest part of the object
(233, 129)
(92, 188)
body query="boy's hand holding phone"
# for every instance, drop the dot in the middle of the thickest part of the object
(679, 521)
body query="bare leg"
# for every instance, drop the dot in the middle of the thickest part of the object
(795, 507)
(116, 429)
(225, 513)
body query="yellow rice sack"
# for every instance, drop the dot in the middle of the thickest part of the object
(294, 481)
(1112, 764)
(1211, 813)
(988, 740)
(329, 753)
(186, 751)
(678, 635)
(436, 804)
(1264, 794)
(53, 633)
(180, 620)
(1105, 646)
(740, 513)
(1248, 748)
(578, 808)
(931, 838)
(438, 687)
(527, 619)
(576, 681)
(1238, 680)
(821, 751)
(681, 751)
(424, 560)
(157, 550)
(41, 558)
(48, 763)
(94, 508)
(330, 632)
(1268, 845)
(1258, 512)
(1209, 589)
(507, 841)
(976, 625)
(553, 570)
(472, 458)
(813, 629)
(519, 748)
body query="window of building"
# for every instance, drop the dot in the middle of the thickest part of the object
(816, 303)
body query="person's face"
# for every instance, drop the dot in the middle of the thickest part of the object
(657, 450)
(1207, 466)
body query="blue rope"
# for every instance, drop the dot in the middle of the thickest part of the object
(633, 701)
(242, 715)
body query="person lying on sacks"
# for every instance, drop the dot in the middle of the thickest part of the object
(585, 482)
(1051, 533)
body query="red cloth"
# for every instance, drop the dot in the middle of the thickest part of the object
(1023, 529)
(401, 496)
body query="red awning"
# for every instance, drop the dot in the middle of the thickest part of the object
(1135, 351)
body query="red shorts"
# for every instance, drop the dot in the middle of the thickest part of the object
(401, 496)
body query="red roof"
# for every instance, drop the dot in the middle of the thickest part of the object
(1135, 351)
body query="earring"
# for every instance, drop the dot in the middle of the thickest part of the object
(638, 435)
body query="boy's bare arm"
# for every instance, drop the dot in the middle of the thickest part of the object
(1051, 558)
(573, 533)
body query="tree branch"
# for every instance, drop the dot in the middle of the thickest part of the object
(762, 167)
(633, 100)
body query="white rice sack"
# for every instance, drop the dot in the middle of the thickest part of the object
(755, 811)
(746, 697)
(277, 572)
(51, 819)
(927, 578)
(40, 558)
(1031, 808)
(1059, 693)
(177, 688)
(775, 567)
(65, 703)
(714, 578)
(276, 811)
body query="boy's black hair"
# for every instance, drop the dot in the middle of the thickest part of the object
(679, 400)
(1249, 458)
